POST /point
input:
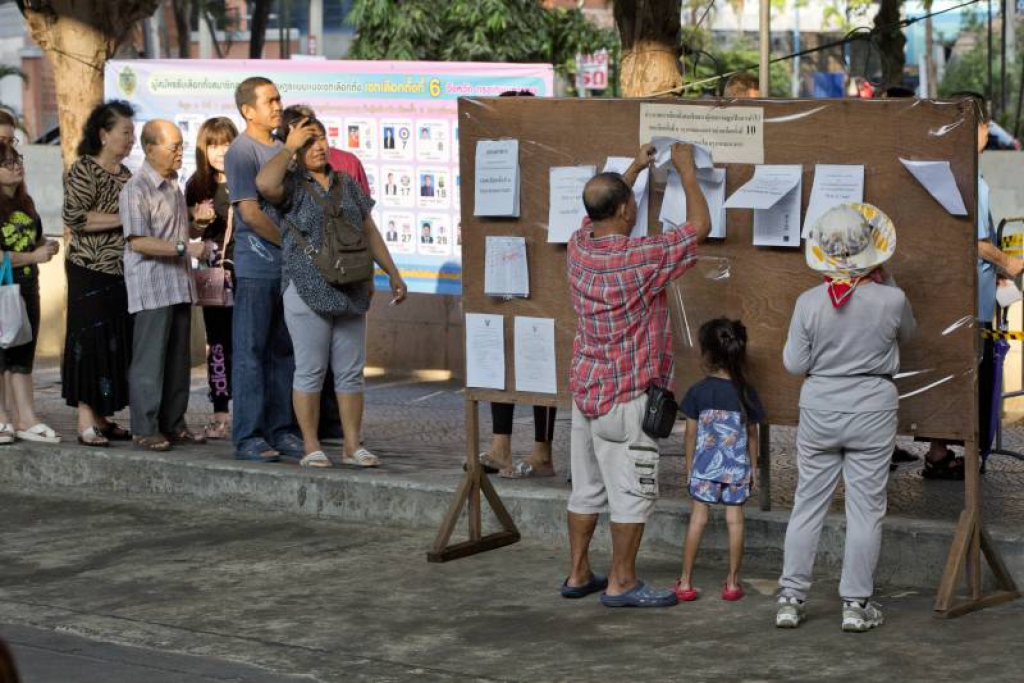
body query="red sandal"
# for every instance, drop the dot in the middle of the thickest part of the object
(685, 594)
(732, 594)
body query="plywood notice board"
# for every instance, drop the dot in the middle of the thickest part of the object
(935, 261)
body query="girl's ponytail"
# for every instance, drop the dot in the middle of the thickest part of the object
(724, 345)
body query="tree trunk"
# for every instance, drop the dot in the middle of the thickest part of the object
(891, 42)
(78, 37)
(258, 28)
(649, 31)
(929, 59)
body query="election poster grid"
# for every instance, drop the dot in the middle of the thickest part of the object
(399, 118)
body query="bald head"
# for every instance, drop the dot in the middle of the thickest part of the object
(161, 142)
(604, 194)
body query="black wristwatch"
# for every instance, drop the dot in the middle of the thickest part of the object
(180, 246)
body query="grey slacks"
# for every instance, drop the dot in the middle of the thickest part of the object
(857, 446)
(158, 380)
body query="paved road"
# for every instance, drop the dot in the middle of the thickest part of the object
(45, 656)
(194, 588)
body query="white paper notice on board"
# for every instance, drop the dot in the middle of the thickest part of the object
(833, 185)
(620, 165)
(535, 355)
(485, 351)
(673, 205)
(505, 269)
(565, 209)
(774, 194)
(734, 135)
(937, 178)
(663, 153)
(496, 187)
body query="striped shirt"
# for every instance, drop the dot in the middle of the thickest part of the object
(623, 339)
(153, 206)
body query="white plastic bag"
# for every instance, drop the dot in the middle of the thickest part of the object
(15, 327)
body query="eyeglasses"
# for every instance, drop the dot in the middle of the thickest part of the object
(12, 163)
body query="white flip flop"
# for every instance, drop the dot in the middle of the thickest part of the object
(362, 458)
(6, 433)
(40, 433)
(316, 459)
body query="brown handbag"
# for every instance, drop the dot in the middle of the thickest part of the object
(213, 287)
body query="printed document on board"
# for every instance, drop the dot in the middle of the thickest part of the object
(673, 205)
(535, 355)
(496, 187)
(565, 207)
(485, 351)
(774, 194)
(505, 269)
(833, 185)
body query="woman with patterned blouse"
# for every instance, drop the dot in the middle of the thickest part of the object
(327, 324)
(97, 349)
(23, 248)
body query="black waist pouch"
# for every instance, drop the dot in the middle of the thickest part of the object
(660, 414)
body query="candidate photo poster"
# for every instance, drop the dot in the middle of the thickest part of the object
(399, 119)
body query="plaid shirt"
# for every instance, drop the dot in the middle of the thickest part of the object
(153, 206)
(623, 339)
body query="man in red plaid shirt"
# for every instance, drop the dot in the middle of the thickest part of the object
(623, 345)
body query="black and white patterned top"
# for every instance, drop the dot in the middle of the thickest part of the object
(90, 187)
(305, 213)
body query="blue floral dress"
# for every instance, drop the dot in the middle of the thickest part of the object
(721, 462)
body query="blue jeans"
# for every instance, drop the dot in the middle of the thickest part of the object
(261, 377)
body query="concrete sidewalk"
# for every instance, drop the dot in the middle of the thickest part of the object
(417, 429)
(285, 595)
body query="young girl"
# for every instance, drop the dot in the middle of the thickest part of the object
(207, 197)
(722, 413)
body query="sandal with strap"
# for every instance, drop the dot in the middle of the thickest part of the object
(216, 429)
(949, 468)
(186, 436)
(156, 443)
(361, 458)
(6, 433)
(317, 459)
(115, 432)
(40, 433)
(93, 438)
(524, 470)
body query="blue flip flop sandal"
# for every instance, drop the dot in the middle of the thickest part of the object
(640, 596)
(595, 584)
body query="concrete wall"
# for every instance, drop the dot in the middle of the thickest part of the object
(424, 333)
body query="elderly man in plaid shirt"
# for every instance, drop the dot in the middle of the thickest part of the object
(623, 345)
(157, 267)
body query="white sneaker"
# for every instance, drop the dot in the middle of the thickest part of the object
(790, 613)
(859, 618)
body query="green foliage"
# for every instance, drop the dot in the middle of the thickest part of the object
(846, 16)
(741, 57)
(474, 30)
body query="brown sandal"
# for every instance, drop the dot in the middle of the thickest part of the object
(155, 443)
(186, 436)
(114, 432)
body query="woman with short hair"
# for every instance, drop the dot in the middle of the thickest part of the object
(97, 349)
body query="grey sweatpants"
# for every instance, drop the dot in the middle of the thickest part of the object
(322, 341)
(158, 380)
(858, 446)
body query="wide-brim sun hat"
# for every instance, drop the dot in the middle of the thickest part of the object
(850, 240)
